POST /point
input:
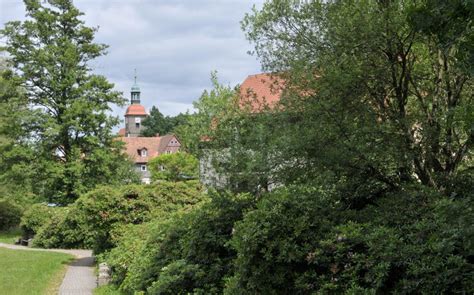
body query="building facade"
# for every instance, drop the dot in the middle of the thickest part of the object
(143, 149)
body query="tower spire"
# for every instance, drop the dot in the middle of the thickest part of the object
(135, 92)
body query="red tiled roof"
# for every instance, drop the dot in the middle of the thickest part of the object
(136, 109)
(134, 144)
(121, 132)
(155, 146)
(260, 91)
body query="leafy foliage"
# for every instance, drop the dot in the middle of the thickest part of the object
(211, 110)
(174, 167)
(371, 147)
(303, 242)
(16, 152)
(157, 123)
(236, 145)
(392, 101)
(10, 214)
(34, 218)
(73, 148)
(96, 219)
(188, 252)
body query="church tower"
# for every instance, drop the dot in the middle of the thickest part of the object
(135, 113)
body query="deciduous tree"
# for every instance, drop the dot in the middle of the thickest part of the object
(174, 167)
(383, 91)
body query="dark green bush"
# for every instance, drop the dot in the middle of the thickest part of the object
(189, 253)
(34, 218)
(10, 214)
(61, 231)
(275, 241)
(129, 248)
(412, 241)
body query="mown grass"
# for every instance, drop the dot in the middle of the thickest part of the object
(10, 236)
(31, 272)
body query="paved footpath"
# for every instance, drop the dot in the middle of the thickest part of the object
(79, 278)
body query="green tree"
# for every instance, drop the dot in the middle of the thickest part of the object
(174, 167)
(236, 146)
(74, 147)
(212, 109)
(16, 152)
(378, 95)
(157, 123)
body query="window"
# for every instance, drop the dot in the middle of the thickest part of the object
(143, 167)
(168, 152)
(143, 152)
(137, 125)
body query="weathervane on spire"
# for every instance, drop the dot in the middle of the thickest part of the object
(135, 75)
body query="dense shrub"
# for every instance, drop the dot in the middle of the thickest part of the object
(409, 241)
(96, 220)
(35, 217)
(189, 253)
(174, 167)
(10, 214)
(274, 242)
(61, 231)
(132, 255)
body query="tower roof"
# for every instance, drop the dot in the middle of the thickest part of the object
(135, 110)
(135, 87)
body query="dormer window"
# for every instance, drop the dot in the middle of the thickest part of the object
(143, 152)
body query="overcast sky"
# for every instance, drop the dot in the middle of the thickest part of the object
(174, 44)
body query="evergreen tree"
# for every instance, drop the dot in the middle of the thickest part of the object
(71, 132)
(15, 148)
(155, 123)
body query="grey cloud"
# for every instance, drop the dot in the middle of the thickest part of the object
(175, 45)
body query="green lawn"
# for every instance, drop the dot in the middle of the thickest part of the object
(31, 272)
(9, 237)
